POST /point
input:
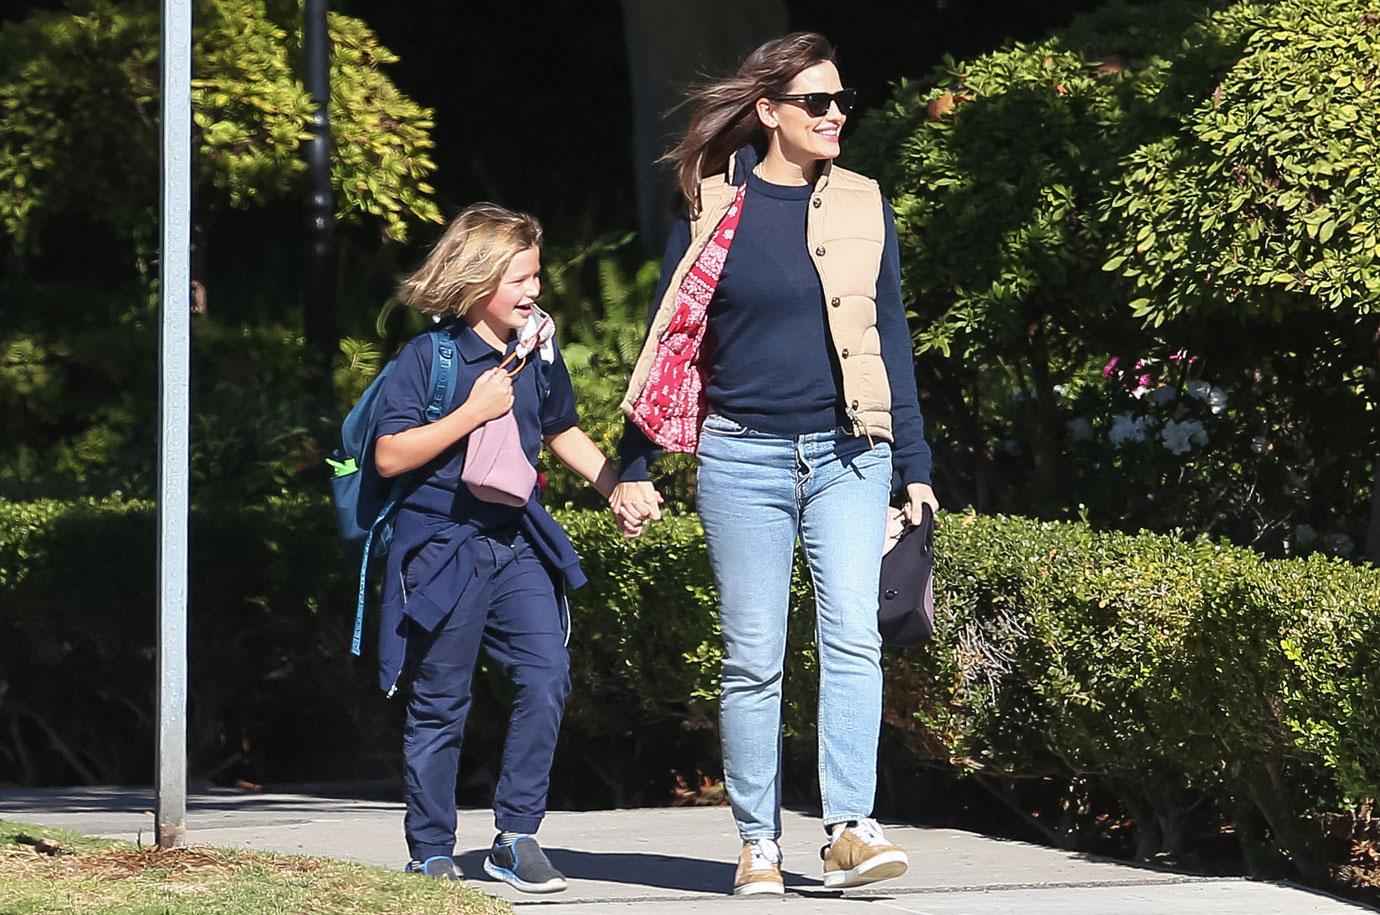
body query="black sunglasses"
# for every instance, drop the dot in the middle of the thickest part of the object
(817, 103)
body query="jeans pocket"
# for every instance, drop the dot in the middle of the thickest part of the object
(868, 458)
(722, 425)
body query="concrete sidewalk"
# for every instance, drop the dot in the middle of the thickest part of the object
(675, 861)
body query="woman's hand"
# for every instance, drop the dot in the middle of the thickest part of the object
(917, 496)
(634, 504)
(490, 398)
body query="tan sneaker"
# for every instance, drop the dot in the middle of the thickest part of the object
(861, 854)
(759, 869)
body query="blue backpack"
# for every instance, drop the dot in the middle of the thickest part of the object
(365, 502)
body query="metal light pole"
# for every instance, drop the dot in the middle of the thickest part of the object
(175, 127)
(319, 301)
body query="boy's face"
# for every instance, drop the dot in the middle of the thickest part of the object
(510, 305)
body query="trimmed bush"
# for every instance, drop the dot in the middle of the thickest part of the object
(271, 682)
(1163, 672)
(274, 693)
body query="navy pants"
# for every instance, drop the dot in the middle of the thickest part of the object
(514, 614)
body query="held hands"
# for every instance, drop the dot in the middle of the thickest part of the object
(917, 496)
(634, 504)
(491, 396)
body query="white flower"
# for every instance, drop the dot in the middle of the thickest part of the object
(1199, 390)
(1127, 428)
(1080, 430)
(1217, 400)
(1304, 534)
(1165, 395)
(1180, 437)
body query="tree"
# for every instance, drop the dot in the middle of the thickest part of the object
(78, 185)
(1267, 202)
(79, 134)
(995, 168)
(1015, 178)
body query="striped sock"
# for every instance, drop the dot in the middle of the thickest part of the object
(508, 838)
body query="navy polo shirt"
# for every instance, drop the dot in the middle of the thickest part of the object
(408, 389)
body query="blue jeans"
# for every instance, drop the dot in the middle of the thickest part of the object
(756, 494)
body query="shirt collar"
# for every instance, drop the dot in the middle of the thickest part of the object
(473, 348)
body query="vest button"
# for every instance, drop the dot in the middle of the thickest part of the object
(820, 250)
(855, 405)
(816, 203)
(845, 354)
(835, 302)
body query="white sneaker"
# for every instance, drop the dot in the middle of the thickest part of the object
(859, 854)
(759, 869)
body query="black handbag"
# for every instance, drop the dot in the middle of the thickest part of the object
(905, 613)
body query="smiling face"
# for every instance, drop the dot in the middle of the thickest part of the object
(800, 136)
(509, 306)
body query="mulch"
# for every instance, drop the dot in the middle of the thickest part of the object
(53, 860)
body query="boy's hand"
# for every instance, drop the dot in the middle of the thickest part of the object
(634, 504)
(491, 396)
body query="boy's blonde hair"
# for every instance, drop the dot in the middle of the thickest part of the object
(469, 261)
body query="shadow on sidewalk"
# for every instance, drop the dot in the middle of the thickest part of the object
(666, 872)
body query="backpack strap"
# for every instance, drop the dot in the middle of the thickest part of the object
(442, 372)
(357, 641)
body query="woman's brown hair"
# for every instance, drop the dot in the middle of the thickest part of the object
(724, 118)
(469, 261)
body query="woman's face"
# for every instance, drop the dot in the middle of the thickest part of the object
(510, 305)
(801, 135)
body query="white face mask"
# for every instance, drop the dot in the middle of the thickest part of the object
(539, 331)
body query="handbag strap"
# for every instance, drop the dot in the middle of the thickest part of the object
(660, 409)
(709, 265)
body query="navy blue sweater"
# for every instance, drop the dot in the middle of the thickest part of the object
(771, 362)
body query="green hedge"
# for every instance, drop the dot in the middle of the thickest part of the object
(78, 642)
(1162, 677)
(275, 695)
(1165, 673)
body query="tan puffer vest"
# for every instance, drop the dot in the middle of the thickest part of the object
(845, 234)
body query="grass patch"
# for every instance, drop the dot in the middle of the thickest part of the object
(54, 872)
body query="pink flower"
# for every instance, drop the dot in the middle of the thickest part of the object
(1110, 366)
(1144, 381)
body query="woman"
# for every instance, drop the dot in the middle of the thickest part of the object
(778, 352)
